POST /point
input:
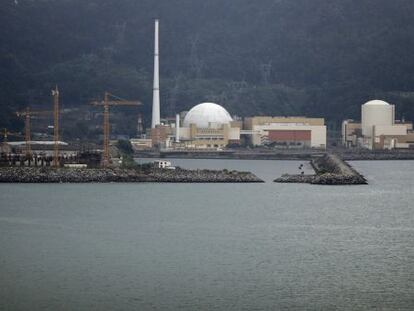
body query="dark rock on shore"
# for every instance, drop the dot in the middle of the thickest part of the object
(364, 154)
(287, 178)
(330, 170)
(69, 175)
(337, 179)
(201, 176)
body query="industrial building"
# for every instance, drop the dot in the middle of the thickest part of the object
(286, 132)
(210, 126)
(378, 128)
(45, 148)
(141, 143)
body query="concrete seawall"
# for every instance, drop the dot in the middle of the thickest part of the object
(294, 154)
(329, 170)
(236, 155)
(65, 175)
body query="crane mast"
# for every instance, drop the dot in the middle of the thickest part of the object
(106, 129)
(27, 114)
(6, 134)
(27, 133)
(55, 94)
(106, 126)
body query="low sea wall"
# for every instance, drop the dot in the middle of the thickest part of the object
(329, 170)
(70, 175)
(283, 154)
(234, 155)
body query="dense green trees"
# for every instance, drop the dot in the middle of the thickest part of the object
(275, 57)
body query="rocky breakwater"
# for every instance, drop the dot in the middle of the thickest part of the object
(204, 176)
(330, 170)
(70, 175)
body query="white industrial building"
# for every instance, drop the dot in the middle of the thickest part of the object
(286, 132)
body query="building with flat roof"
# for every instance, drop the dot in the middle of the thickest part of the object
(141, 143)
(286, 132)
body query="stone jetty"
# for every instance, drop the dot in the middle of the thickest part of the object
(103, 175)
(329, 170)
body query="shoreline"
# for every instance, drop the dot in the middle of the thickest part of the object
(280, 155)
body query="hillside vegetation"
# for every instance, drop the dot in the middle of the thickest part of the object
(267, 57)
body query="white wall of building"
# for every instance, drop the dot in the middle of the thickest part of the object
(318, 132)
(140, 143)
(398, 129)
(318, 136)
(376, 113)
(234, 133)
(184, 133)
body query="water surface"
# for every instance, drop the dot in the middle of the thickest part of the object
(211, 246)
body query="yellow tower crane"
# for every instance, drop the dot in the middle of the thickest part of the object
(27, 114)
(106, 126)
(6, 134)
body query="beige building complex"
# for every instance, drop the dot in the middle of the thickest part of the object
(209, 126)
(300, 132)
(378, 128)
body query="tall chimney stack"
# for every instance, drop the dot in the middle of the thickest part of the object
(156, 88)
(177, 128)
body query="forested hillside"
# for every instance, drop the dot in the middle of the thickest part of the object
(265, 57)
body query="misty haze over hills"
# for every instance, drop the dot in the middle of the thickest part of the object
(267, 57)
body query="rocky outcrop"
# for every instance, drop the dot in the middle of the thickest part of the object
(66, 175)
(330, 170)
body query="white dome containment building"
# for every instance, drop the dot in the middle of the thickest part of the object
(376, 113)
(378, 128)
(207, 126)
(207, 115)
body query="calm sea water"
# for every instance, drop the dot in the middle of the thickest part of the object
(211, 246)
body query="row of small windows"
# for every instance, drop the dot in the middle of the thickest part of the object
(209, 138)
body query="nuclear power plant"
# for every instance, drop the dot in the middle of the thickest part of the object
(209, 126)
